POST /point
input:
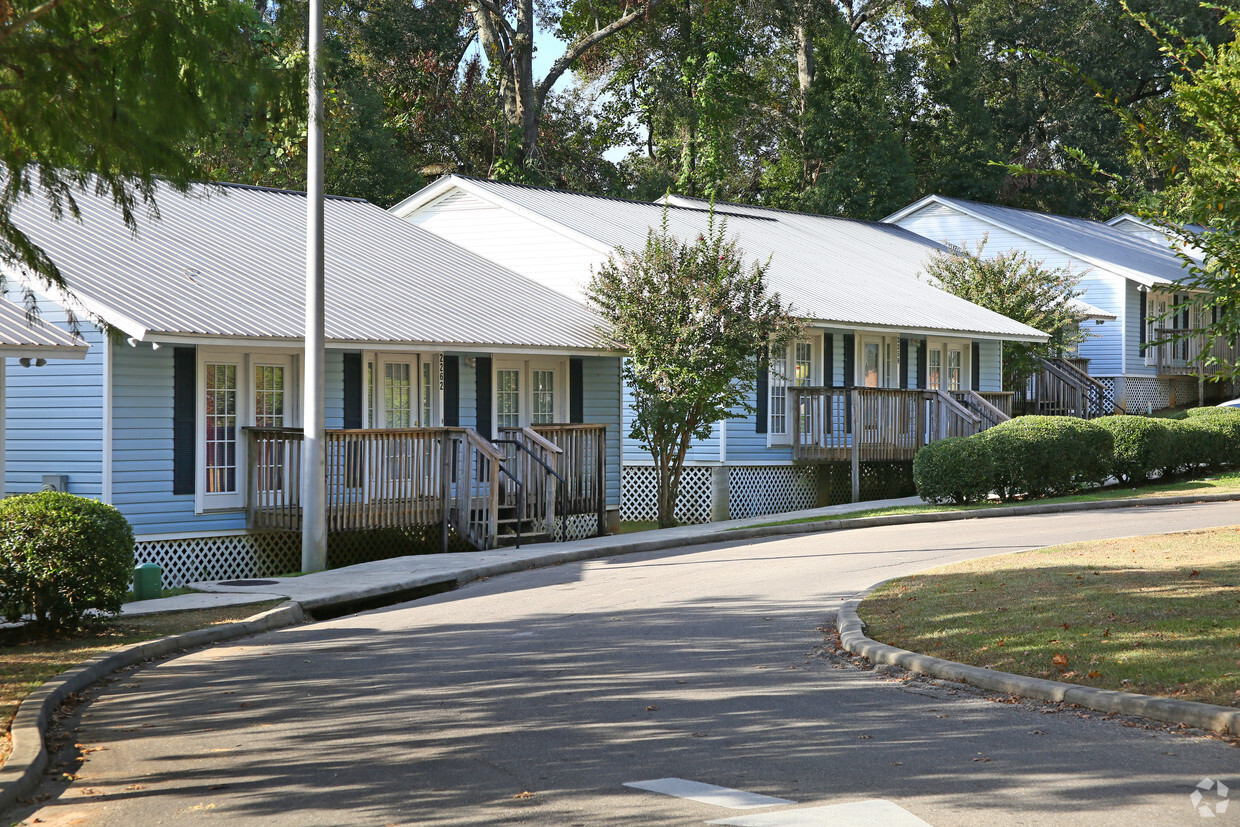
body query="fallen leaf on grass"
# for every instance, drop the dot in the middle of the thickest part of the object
(1095, 674)
(1060, 659)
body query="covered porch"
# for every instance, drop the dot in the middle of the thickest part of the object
(526, 484)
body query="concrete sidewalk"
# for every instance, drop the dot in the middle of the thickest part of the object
(370, 581)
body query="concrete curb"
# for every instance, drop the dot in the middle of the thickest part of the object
(20, 775)
(1190, 713)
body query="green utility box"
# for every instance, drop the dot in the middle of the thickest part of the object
(148, 581)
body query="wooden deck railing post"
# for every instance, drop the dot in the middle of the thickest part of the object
(856, 428)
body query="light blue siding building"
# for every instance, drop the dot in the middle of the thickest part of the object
(186, 418)
(1127, 270)
(871, 322)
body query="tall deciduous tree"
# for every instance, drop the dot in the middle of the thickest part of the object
(1022, 289)
(102, 95)
(694, 317)
(506, 31)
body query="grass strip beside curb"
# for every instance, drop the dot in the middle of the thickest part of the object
(1190, 713)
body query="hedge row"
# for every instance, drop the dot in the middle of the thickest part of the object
(1041, 456)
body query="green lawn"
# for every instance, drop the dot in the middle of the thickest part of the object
(25, 664)
(1219, 484)
(1157, 615)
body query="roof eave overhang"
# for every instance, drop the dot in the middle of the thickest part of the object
(939, 332)
(221, 340)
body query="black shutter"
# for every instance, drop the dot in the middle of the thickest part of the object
(451, 391)
(1143, 314)
(353, 390)
(921, 364)
(483, 383)
(576, 391)
(850, 359)
(184, 416)
(763, 393)
(828, 360)
(977, 366)
(903, 363)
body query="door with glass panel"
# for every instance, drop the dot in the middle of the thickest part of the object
(399, 399)
(525, 394)
(271, 398)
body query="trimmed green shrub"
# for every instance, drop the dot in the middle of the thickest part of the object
(1221, 439)
(1040, 456)
(954, 470)
(1193, 413)
(1142, 446)
(60, 556)
(1188, 446)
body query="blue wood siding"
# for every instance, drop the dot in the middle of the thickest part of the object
(142, 448)
(1105, 344)
(600, 378)
(54, 417)
(991, 373)
(333, 368)
(1132, 336)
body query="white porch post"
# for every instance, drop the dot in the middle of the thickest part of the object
(313, 467)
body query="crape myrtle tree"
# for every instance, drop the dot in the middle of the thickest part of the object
(101, 95)
(694, 316)
(1024, 290)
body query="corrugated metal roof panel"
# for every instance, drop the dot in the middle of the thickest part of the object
(19, 333)
(1122, 252)
(229, 261)
(829, 269)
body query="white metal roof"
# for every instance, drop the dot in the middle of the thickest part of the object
(20, 336)
(228, 261)
(1093, 242)
(831, 270)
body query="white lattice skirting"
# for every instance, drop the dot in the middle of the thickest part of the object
(227, 557)
(770, 489)
(752, 491)
(639, 494)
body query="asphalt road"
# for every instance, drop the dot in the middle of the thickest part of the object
(535, 697)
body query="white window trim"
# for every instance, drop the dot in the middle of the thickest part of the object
(965, 346)
(245, 360)
(373, 390)
(525, 405)
(817, 367)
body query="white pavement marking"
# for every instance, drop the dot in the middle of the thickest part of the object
(708, 793)
(854, 814)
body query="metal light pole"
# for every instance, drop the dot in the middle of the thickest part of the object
(313, 467)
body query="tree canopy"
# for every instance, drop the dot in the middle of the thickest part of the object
(103, 95)
(694, 318)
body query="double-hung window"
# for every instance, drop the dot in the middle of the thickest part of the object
(529, 393)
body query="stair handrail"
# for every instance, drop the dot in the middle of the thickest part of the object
(520, 499)
(983, 407)
(561, 483)
(1086, 384)
(474, 440)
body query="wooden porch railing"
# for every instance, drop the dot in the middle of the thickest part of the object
(379, 478)
(583, 465)
(388, 478)
(872, 424)
(1178, 352)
